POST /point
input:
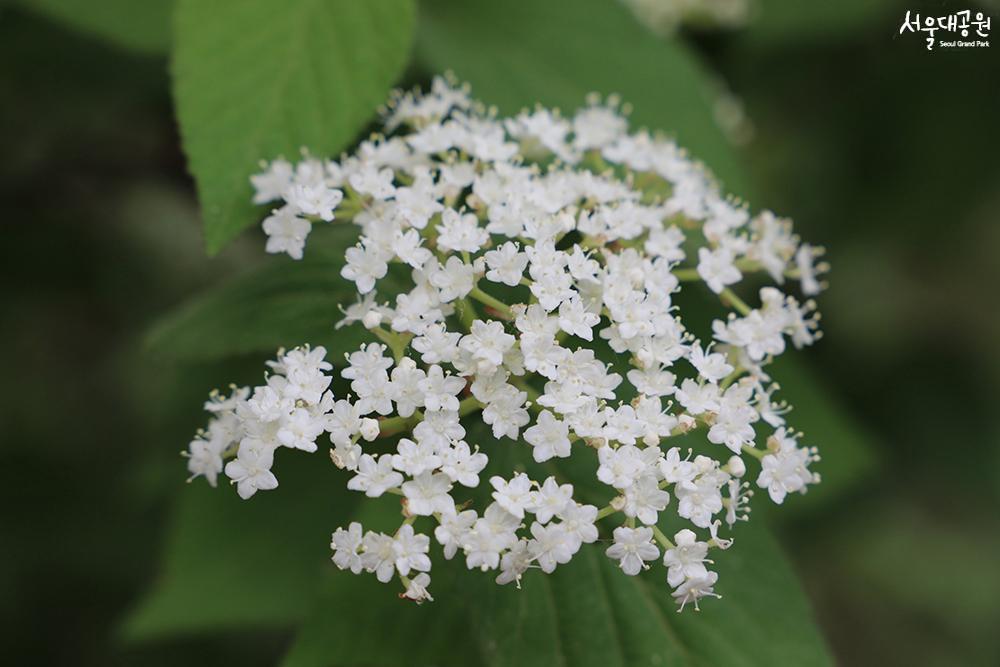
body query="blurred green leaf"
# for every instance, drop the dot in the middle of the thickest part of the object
(256, 79)
(282, 303)
(234, 564)
(138, 26)
(788, 21)
(520, 52)
(847, 449)
(586, 613)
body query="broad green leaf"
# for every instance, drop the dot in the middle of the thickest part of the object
(142, 26)
(587, 613)
(520, 52)
(282, 303)
(235, 564)
(257, 79)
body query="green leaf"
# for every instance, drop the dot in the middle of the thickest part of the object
(791, 21)
(847, 449)
(257, 79)
(520, 52)
(282, 303)
(235, 564)
(587, 613)
(142, 26)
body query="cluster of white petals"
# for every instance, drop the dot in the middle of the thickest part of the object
(521, 273)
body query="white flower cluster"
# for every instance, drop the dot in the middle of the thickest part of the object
(542, 256)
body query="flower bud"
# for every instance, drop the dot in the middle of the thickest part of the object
(369, 429)
(736, 466)
(372, 319)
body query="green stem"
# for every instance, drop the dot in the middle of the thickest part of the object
(754, 452)
(492, 302)
(728, 296)
(396, 342)
(466, 313)
(662, 539)
(396, 425)
(605, 512)
(687, 275)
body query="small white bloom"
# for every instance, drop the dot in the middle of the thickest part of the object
(286, 232)
(632, 548)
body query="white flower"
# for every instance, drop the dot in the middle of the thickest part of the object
(414, 458)
(620, 467)
(550, 500)
(695, 588)
(632, 547)
(411, 550)
(286, 232)
(576, 320)
(365, 265)
(513, 496)
(272, 183)
(785, 470)
(416, 590)
(462, 465)
(375, 477)
(460, 232)
(440, 389)
(315, 200)
(407, 247)
(439, 429)
(807, 272)
(549, 437)
(507, 264)
(506, 414)
(644, 499)
(487, 342)
(373, 181)
(686, 559)
(492, 533)
(454, 279)
(451, 530)
(379, 555)
(699, 501)
(717, 269)
(515, 563)
(427, 493)
(711, 366)
(578, 521)
(204, 460)
(551, 545)
(345, 545)
(251, 471)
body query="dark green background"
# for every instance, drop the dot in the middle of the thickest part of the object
(883, 152)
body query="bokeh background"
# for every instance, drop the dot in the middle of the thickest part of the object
(886, 154)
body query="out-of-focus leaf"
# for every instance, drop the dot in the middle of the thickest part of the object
(847, 449)
(255, 79)
(234, 564)
(283, 303)
(142, 26)
(787, 21)
(520, 52)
